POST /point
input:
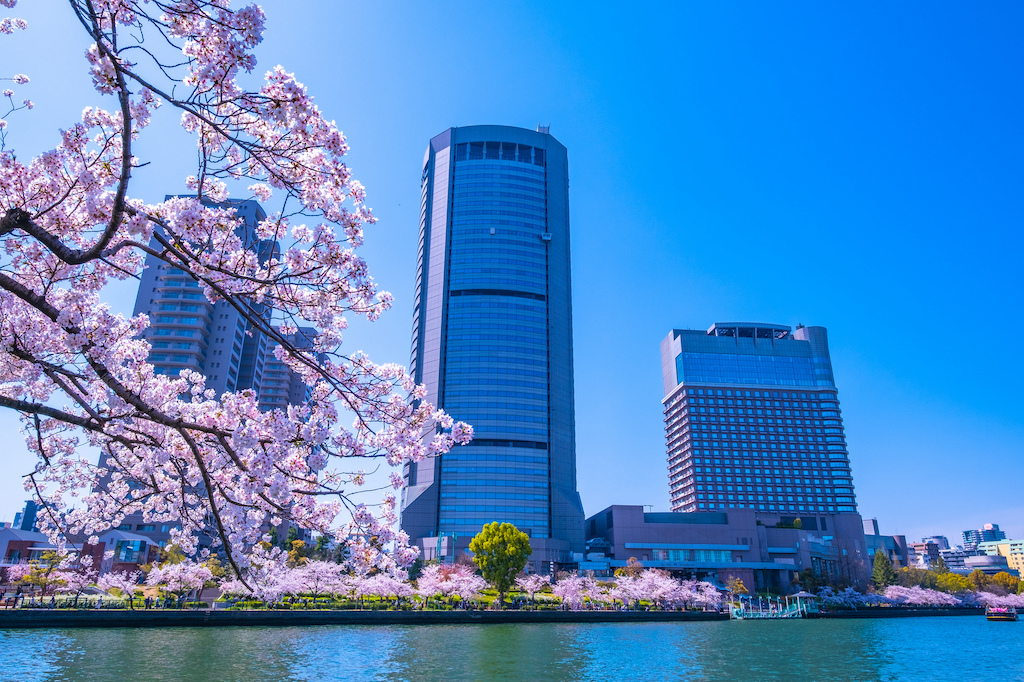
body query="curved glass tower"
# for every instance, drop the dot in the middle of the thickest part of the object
(492, 341)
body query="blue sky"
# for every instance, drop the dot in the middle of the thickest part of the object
(858, 168)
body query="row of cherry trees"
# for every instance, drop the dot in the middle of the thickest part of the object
(897, 595)
(272, 579)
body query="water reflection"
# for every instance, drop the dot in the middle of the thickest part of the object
(815, 650)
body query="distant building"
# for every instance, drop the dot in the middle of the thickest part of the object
(718, 545)
(21, 546)
(282, 387)
(955, 558)
(1011, 550)
(925, 554)
(987, 533)
(989, 564)
(939, 540)
(187, 331)
(26, 518)
(892, 546)
(752, 421)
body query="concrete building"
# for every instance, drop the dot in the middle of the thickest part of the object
(924, 554)
(187, 331)
(722, 544)
(987, 533)
(989, 564)
(956, 558)
(26, 518)
(893, 546)
(492, 341)
(282, 387)
(940, 540)
(1011, 550)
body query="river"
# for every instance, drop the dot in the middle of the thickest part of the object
(956, 648)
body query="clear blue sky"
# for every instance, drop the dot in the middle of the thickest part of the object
(858, 168)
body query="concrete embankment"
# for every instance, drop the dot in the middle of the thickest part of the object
(43, 618)
(900, 612)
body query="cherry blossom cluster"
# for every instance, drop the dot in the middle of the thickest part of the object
(179, 578)
(443, 580)
(212, 465)
(652, 585)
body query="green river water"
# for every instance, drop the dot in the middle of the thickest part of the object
(958, 648)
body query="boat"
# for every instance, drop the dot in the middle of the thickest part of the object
(1001, 613)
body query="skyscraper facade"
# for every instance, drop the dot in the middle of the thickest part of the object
(752, 420)
(492, 341)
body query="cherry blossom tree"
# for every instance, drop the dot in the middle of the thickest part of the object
(704, 594)
(442, 580)
(1000, 600)
(919, 596)
(532, 584)
(78, 373)
(315, 577)
(572, 590)
(74, 581)
(126, 582)
(18, 572)
(181, 578)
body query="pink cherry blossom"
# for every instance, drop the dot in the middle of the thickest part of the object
(77, 372)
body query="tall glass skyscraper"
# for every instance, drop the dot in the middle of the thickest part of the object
(752, 421)
(492, 341)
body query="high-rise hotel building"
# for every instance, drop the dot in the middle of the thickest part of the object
(752, 421)
(492, 341)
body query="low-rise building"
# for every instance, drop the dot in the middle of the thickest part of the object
(21, 546)
(720, 545)
(989, 564)
(955, 558)
(892, 546)
(1011, 550)
(939, 540)
(925, 554)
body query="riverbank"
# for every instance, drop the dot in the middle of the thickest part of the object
(44, 618)
(901, 612)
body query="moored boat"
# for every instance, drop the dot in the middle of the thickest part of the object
(1001, 613)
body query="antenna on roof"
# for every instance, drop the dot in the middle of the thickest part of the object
(546, 129)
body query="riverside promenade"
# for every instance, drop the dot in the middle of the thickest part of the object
(157, 618)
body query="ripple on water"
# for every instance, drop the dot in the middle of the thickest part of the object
(904, 649)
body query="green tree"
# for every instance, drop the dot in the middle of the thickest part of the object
(798, 524)
(953, 583)
(1008, 582)
(217, 569)
(298, 554)
(736, 586)
(632, 569)
(940, 566)
(978, 579)
(810, 581)
(501, 551)
(909, 576)
(883, 574)
(44, 572)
